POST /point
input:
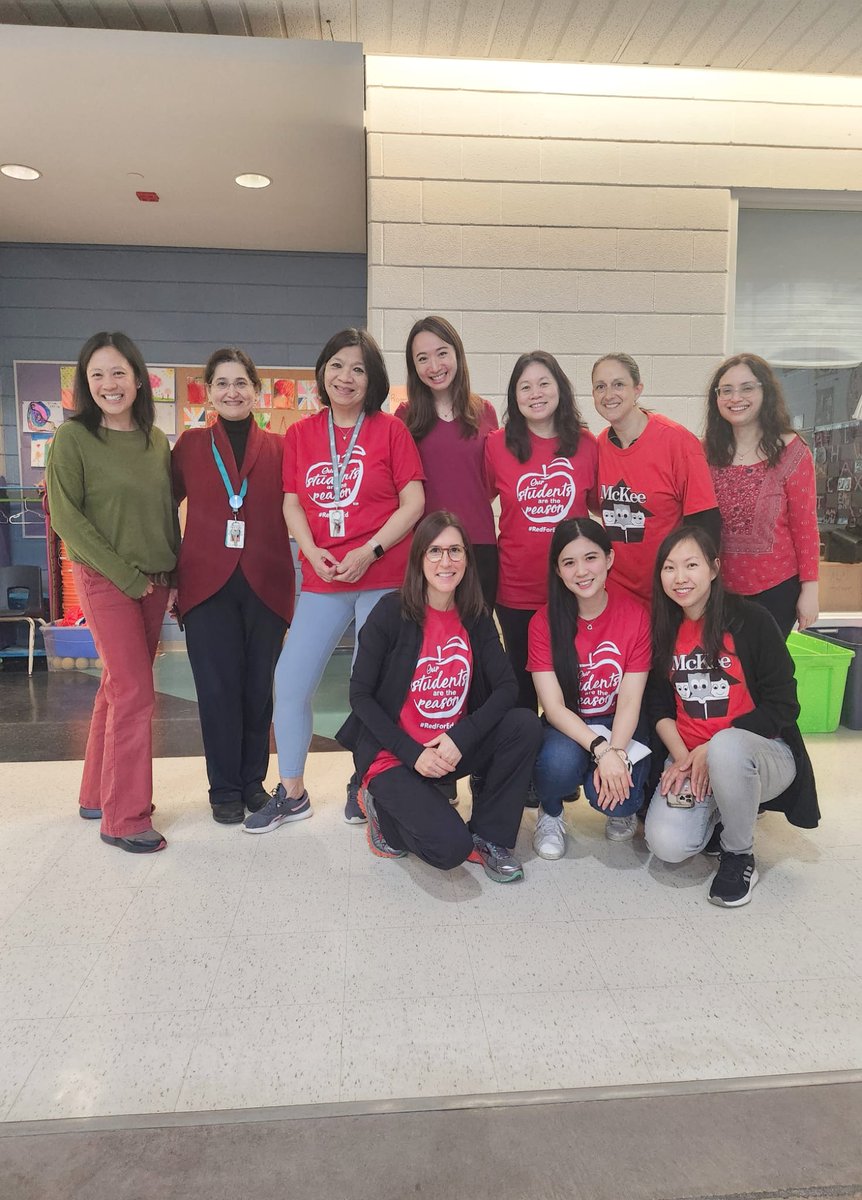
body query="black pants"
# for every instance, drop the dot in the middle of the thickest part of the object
(234, 641)
(416, 816)
(488, 567)
(514, 623)
(781, 601)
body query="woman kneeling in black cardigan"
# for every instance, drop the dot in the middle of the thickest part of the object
(433, 698)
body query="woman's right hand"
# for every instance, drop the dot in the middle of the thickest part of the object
(431, 765)
(323, 563)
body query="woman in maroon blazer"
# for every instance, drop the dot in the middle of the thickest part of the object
(236, 581)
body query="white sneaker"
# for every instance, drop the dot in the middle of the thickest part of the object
(549, 840)
(620, 829)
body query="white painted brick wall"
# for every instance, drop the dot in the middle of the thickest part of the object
(582, 210)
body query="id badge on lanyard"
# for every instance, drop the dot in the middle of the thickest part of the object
(338, 516)
(234, 535)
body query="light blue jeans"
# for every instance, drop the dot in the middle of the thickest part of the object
(317, 627)
(745, 770)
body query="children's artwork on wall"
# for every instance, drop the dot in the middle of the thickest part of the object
(196, 390)
(163, 384)
(307, 399)
(263, 418)
(39, 443)
(166, 419)
(264, 400)
(194, 417)
(42, 416)
(284, 393)
(67, 387)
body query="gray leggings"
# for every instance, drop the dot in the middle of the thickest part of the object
(317, 627)
(745, 770)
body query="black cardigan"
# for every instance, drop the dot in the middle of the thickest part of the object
(389, 648)
(770, 679)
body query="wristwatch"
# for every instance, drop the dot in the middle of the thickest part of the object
(378, 549)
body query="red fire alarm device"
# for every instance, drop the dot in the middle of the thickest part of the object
(148, 197)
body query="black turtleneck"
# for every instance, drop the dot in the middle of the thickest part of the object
(237, 434)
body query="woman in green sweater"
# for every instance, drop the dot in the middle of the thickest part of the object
(109, 492)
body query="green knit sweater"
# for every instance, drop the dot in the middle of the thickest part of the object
(110, 500)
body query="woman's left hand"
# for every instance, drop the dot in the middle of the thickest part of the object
(354, 564)
(612, 780)
(446, 748)
(808, 605)
(171, 606)
(699, 773)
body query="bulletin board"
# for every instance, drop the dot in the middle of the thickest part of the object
(44, 400)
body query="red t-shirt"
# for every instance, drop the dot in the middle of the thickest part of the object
(768, 521)
(708, 699)
(441, 683)
(609, 646)
(454, 468)
(644, 493)
(534, 497)
(384, 461)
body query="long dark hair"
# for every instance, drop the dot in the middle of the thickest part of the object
(774, 419)
(421, 412)
(667, 616)
(87, 410)
(468, 595)
(372, 358)
(563, 615)
(567, 419)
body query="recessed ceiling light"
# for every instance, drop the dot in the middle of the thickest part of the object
(253, 181)
(16, 171)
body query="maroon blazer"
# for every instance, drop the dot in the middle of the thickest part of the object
(205, 563)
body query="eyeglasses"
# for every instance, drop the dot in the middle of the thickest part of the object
(618, 385)
(435, 553)
(745, 390)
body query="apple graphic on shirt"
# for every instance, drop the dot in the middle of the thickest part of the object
(318, 481)
(547, 495)
(599, 677)
(441, 680)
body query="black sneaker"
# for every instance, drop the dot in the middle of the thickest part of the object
(712, 849)
(734, 880)
(256, 801)
(353, 813)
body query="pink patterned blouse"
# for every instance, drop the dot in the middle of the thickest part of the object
(769, 521)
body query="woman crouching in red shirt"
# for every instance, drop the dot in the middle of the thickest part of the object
(722, 696)
(433, 698)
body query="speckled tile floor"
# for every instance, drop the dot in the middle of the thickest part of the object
(234, 972)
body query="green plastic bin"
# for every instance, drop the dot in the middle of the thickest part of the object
(821, 676)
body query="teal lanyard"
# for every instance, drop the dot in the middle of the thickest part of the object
(338, 475)
(235, 499)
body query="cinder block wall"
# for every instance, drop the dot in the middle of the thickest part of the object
(582, 209)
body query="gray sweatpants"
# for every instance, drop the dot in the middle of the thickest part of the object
(745, 770)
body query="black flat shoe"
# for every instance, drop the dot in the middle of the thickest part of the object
(256, 801)
(147, 842)
(230, 813)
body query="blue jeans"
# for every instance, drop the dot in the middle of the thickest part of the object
(563, 766)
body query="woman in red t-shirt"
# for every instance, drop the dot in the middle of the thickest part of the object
(763, 474)
(723, 700)
(433, 699)
(352, 493)
(652, 475)
(589, 655)
(542, 465)
(450, 425)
